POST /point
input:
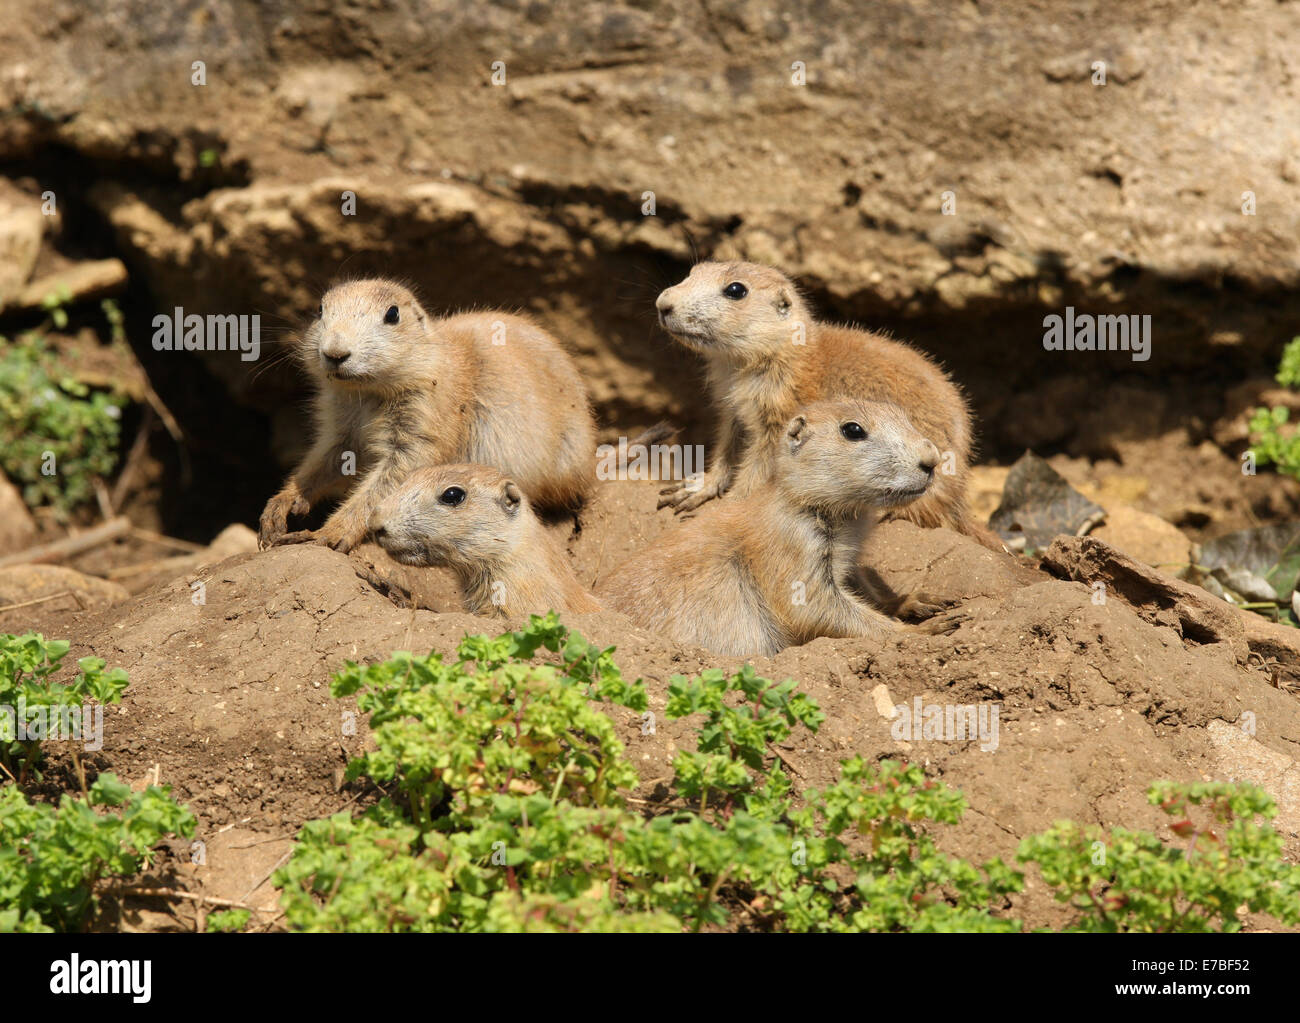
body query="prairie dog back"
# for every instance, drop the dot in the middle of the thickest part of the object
(549, 400)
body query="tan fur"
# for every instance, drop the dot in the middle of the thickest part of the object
(778, 566)
(506, 561)
(758, 376)
(426, 391)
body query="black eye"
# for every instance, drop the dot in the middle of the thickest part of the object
(735, 290)
(452, 496)
(320, 311)
(391, 315)
(853, 431)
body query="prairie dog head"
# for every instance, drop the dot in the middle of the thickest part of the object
(843, 457)
(738, 311)
(465, 516)
(366, 336)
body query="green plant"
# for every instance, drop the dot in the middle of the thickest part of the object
(228, 921)
(53, 304)
(52, 860)
(733, 740)
(116, 321)
(1132, 881)
(56, 434)
(503, 810)
(42, 707)
(1274, 442)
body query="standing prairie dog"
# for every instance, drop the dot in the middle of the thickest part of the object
(397, 389)
(753, 574)
(767, 357)
(478, 522)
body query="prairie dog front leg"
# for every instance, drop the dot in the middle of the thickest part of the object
(690, 494)
(350, 522)
(318, 475)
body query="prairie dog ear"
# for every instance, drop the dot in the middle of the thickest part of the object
(797, 433)
(511, 497)
(784, 302)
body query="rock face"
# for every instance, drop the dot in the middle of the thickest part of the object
(511, 155)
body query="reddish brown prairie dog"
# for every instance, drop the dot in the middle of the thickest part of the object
(397, 389)
(767, 357)
(779, 566)
(478, 522)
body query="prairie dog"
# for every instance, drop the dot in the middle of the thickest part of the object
(753, 574)
(397, 388)
(478, 522)
(767, 357)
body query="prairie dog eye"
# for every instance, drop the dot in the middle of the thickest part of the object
(391, 315)
(853, 431)
(735, 291)
(452, 497)
(320, 310)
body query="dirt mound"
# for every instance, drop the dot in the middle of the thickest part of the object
(1084, 702)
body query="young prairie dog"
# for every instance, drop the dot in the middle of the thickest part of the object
(478, 522)
(752, 575)
(398, 388)
(767, 357)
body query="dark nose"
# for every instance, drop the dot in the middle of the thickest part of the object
(335, 361)
(379, 532)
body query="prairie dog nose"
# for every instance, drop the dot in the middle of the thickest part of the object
(335, 361)
(663, 303)
(929, 457)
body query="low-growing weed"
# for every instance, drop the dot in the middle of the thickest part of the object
(33, 707)
(57, 435)
(52, 859)
(1274, 442)
(1132, 881)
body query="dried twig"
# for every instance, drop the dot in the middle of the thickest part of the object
(38, 600)
(267, 876)
(168, 541)
(134, 458)
(174, 893)
(70, 545)
(785, 760)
